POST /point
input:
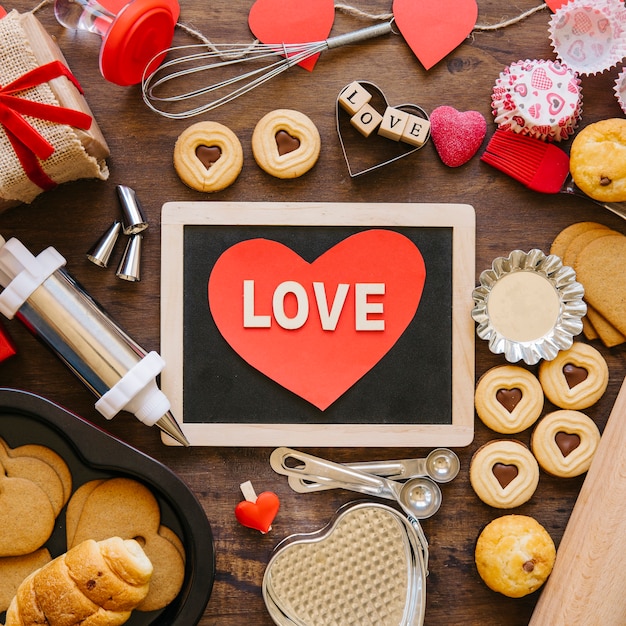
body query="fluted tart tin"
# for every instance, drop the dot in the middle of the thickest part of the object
(528, 306)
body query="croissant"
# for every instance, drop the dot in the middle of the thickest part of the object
(96, 583)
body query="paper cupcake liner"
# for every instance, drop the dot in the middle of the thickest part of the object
(589, 37)
(620, 89)
(539, 98)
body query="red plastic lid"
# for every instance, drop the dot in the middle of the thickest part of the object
(2, 11)
(141, 30)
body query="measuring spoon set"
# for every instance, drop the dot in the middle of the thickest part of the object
(419, 497)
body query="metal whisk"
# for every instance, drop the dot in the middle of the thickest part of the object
(274, 59)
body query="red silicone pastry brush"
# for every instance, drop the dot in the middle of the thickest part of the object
(538, 165)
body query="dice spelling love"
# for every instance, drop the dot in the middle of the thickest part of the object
(329, 313)
(394, 124)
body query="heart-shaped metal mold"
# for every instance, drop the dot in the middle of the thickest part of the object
(366, 567)
(366, 154)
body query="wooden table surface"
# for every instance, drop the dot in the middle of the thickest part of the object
(508, 217)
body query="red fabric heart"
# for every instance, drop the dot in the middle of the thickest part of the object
(317, 364)
(260, 514)
(457, 135)
(434, 29)
(292, 21)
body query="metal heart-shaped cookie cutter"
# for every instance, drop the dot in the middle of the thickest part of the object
(366, 154)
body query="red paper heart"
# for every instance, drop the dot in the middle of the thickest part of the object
(555, 4)
(260, 514)
(434, 29)
(457, 135)
(316, 364)
(292, 21)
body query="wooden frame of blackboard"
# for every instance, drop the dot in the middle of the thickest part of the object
(459, 218)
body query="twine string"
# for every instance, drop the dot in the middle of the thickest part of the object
(346, 9)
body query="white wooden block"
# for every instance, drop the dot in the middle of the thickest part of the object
(393, 124)
(366, 120)
(416, 130)
(353, 97)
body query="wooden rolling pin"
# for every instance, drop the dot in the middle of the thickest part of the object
(587, 583)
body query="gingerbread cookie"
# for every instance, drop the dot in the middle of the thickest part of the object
(508, 399)
(208, 156)
(514, 555)
(568, 244)
(564, 443)
(504, 473)
(123, 507)
(576, 378)
(286, 143)
(600, 266)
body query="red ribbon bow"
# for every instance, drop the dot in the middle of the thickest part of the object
(28, 143)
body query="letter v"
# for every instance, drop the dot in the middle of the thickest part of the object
(330, 318)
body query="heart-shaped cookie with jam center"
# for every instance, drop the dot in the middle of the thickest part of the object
(504, 473)
(317, 576)
(508, 399)
(365, 154)
(565, 442)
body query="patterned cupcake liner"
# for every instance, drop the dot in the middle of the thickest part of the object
(620, 89)
(539, 98)
(589, 36)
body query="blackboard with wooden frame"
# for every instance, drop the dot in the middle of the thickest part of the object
(420, 394)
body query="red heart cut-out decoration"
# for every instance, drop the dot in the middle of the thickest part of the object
(292, 21)
(434, 29)
(299, 325)
(457, 135)
(555, 5)
(259, 514)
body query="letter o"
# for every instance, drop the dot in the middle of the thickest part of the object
(278, 305)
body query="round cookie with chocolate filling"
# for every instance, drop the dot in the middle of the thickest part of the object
(598, 160)
(564, 443)
(514, 555)
(508, 399)
(286, 143)
(208, 156)
(576, 378)
(504, 473)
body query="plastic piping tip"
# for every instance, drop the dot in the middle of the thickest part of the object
(170, 427)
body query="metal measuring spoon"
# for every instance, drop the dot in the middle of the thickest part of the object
(441, 465)
(419, 497)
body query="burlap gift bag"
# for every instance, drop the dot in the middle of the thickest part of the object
(48, 134)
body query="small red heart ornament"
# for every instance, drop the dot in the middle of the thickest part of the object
(457, 135)
(434, 29)
(292, 21)
(317, 328)
(260, 514)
